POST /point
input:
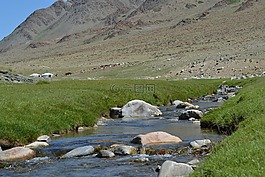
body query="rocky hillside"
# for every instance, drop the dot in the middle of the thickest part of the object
(144, 39)
(65, 18)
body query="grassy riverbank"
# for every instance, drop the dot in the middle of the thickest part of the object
(30, 110)
(242, 153)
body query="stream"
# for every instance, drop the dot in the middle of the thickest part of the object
(118, 131)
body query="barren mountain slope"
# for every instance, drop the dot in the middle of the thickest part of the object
(65, 18)
(35, 24)
(203, 40)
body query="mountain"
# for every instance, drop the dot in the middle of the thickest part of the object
(140, 39)
(65, 18)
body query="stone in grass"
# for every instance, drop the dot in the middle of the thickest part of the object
(17, 153)
(106, 154)
(81, 151)
(174, 169)
(142, 159)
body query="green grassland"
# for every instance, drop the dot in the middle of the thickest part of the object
(30, 110)
(242, 153)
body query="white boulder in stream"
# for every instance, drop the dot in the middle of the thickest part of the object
(81, 151)
(139, 108)
(174, 169)
(1, 149)
(156, 138)
(17, 153)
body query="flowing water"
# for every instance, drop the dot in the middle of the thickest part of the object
(119, 131)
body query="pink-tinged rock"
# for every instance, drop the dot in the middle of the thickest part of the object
(156, 138)
(17, 153)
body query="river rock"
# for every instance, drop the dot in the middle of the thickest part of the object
(186, 105)
(37, 144)
(197, 144)
(115, 113)
(156, 138)
(177, 102)
(81, 151)
(125, 150)
(44, 138)
(173, 169)
(191, 113)
(17, 153)
(194, 163)
(139, 108)
(1, 149)
(105, 154)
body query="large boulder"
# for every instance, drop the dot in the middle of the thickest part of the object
(156, 138)
(186, 115)
(173, 169)
(139, 108)
(81, 151)
(17, 153)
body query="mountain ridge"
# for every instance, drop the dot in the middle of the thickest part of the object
(144, 39)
